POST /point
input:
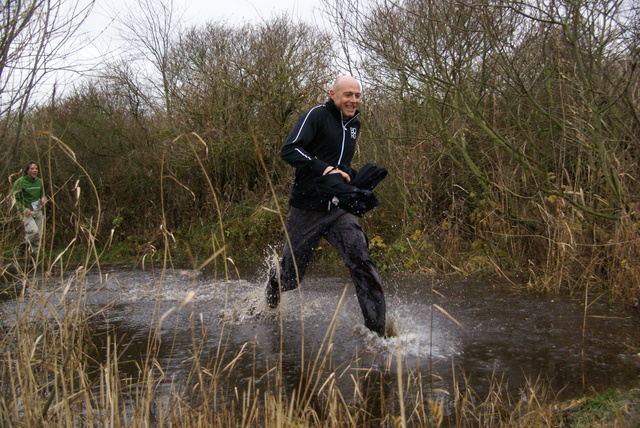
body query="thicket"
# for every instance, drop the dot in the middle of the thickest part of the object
(510, 131)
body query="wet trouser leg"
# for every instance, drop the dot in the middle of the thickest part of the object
(341, 229)
(304, 229)
(349, 239)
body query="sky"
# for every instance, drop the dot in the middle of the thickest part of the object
(100, 36)
(102, 22)
(231, 10)
(251, 9)
(106, 13)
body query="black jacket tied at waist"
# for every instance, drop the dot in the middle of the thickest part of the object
(355, 197)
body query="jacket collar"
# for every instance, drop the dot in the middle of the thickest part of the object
(337, 113)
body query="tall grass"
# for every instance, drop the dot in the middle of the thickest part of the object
(52, 376)
(55, 371)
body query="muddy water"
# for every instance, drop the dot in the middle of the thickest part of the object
(445, 329)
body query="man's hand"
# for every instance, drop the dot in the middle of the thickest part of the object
(26, 212)
(336, 170)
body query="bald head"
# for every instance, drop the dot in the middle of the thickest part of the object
(346, 93)
(345, 80)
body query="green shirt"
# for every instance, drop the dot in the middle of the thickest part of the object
(28, 193)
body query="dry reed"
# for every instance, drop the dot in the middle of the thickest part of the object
(53, 373)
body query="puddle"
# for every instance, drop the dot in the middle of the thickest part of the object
(445, 329)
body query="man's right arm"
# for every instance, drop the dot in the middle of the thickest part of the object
(294, 151)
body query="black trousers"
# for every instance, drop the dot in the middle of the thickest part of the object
(342, 230)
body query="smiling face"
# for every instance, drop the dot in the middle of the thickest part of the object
(346, 95)
(32, 170)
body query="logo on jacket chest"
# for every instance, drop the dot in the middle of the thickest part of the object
(354, 133)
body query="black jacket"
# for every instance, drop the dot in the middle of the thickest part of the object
(319, 139)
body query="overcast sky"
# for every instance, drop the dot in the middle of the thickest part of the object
(250, 9)
(106, 13)
(101, 39)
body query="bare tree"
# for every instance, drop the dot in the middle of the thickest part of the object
(152, 27)
(35, 37)
(526, 104)
(235, 83)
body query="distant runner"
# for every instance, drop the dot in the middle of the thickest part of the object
(29, 198)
